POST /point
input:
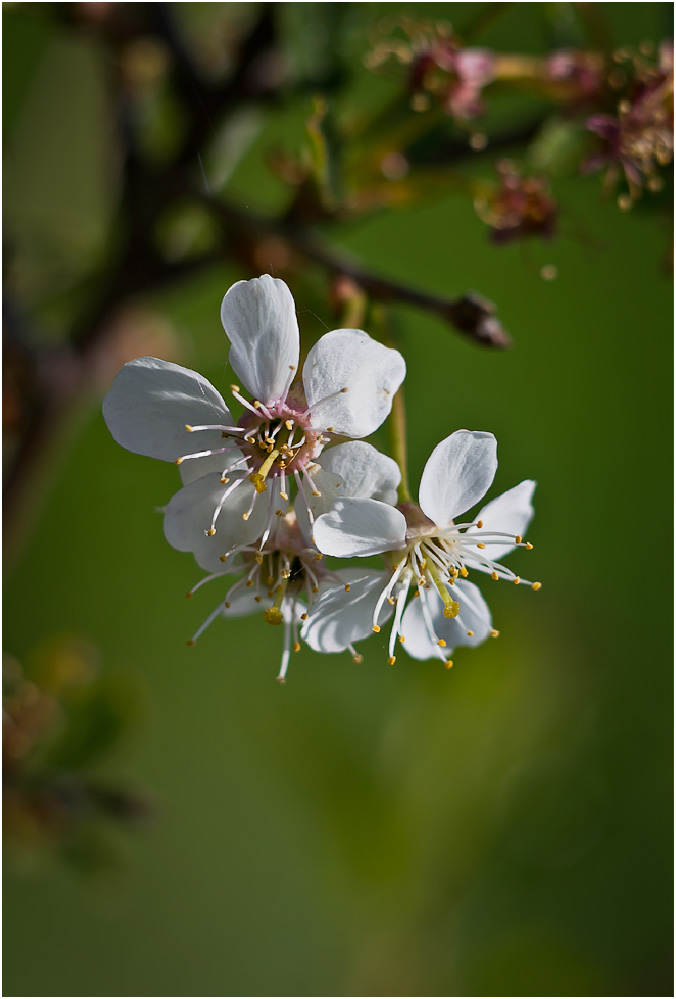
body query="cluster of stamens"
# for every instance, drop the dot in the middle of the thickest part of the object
(435, 562)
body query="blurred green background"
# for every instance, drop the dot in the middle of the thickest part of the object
(502, 828)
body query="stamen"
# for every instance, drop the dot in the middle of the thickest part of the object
(321, 402)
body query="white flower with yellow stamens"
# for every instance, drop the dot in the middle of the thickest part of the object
(283, 574)
(426, 551)
(348, 384)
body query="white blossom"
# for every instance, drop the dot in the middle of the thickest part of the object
(425, 550)
(153, 407)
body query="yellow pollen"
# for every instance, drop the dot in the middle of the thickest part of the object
(284, 496)
(357, 659)
(271, 580)
(422, 581)
(190, 643)
(535, 586)
(281, 681)
(211, 532)
(316, 492)
(479, 524)
(225, 480)
(518, 539)
(376, 628)
(303, 617)
(179, 461)
(480, 544)
(256, 404)
(296, 647)
(258, 599)
(448, 663)
(390, 601)
(442, 643)
(392, 660)
(464, 572)
(188, 427)
(315, 589)
(344, 389)
(451, 609)
(494, 575)
(289, 424)
(262, 445)
(249, 582)
(319, 557)
(245, 516)
(402, 639)
(270, 594)
(189, 594)
(234, 388)
(494, 632)
(529, 546)
(470, 633)
(347, 587)
(250, 440)
(330, 429)
(517, 580)
(258, 557)
(224, 434)
(227, 604)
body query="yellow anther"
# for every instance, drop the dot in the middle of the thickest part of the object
(256, 404)
(402, 639)
(281, 681)
(189, 594)
(344, 389)
(258, 599)
(529, 546)
(330, 429)
(535, 586)
(319, 556)
(494, 575)
(262, 445)
(480, 544)
(303, 617)
(285, 573)
(270, 580)
(224, 480)
(249, 582)
(376, 628)
(464, 572)
(284, 496)
(245, 516)
(479, 524)
(188, 427)
(347, 587)
(211, 532)
(448, 663)
(224, 433)
(296, 647)
(282, 464)
(251, 440)
(357, 659)
(315, 589)
(451, 609)
(270, 594)
(442, 643)
(190, 643)
(518, 539)
(470, 633)
(422, 581)
(423, 564)
(179, 461)
(517, 580)
(390, 601)
(391, 660)
(234, 388)
(316, 492)
(227, 604)
(258, 557)
(494, 632)
(289, 424)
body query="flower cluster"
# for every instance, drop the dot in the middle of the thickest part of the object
(264, 499)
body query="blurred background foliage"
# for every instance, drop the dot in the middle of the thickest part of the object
(500, 829)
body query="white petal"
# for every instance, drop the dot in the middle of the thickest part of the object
(339, 619)
(474, 615)
(510, 513)
(150, 402)
(195, 468)
(360, 527)
(259, 318)
(365, 472)
(457, 475)
(190, 513)
(369, 371)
